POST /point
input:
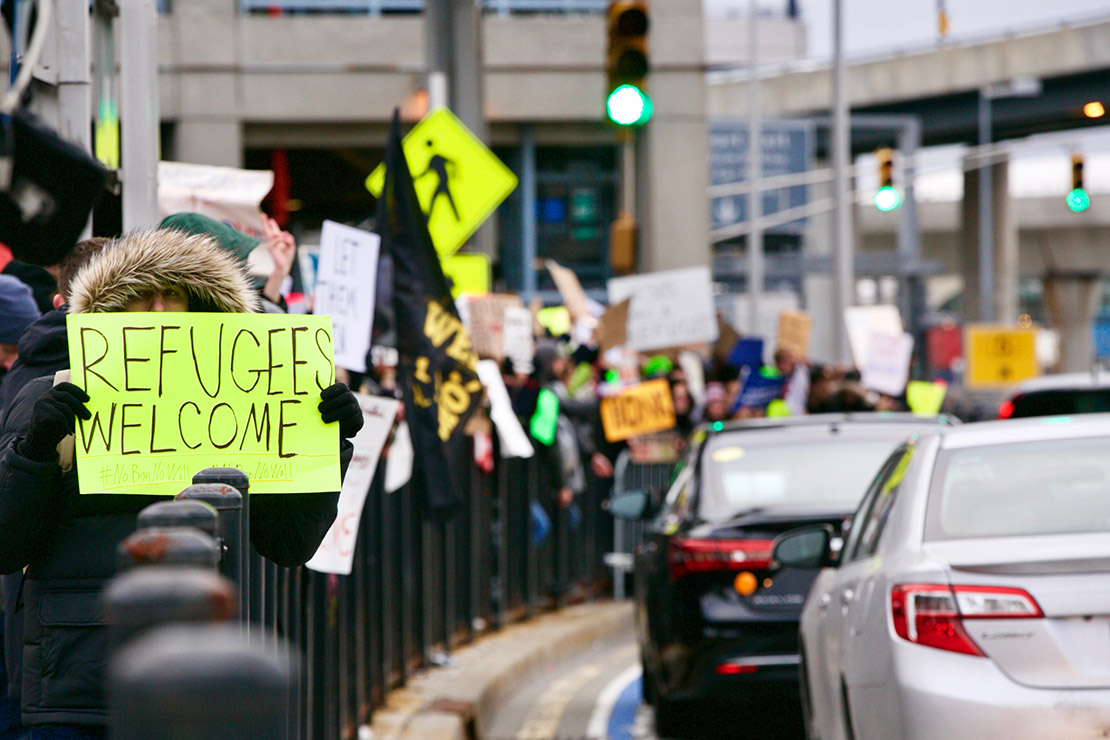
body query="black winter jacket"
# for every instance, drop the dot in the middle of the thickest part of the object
(68, 541)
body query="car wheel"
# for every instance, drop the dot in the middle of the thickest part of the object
(670, 719)
(650, 692)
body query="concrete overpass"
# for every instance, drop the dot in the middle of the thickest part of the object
(940, 86)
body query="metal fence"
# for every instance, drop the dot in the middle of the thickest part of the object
(418, 589)
(628, 475)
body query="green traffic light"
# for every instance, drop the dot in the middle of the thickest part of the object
(1078, 200)
(887, 199)
(628, 105)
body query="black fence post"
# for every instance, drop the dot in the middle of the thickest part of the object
(189, 682)
(228, 502)
(251, 583)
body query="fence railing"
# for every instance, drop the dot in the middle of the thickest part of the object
(418, 589)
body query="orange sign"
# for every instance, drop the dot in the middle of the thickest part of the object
(641, 409)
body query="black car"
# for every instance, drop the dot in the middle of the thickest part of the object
(716, 619)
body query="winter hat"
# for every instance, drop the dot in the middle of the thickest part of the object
(231, 240)
(715, 392)
(17, 309)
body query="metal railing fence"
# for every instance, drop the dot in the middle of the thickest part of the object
(418, 589)
(377, 7)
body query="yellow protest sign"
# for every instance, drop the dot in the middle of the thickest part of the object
(925, 398)
(999, 356)
(173, 393)
(458, 180)
(641, 409)
(468, 273)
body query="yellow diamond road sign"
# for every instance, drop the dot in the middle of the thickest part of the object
(999, 356)
(458, 180)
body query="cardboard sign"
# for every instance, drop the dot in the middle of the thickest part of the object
(517, 342)
(345, 283)
(173, 393)
(887, 367)
(669, 309)
(337, 552)
(612, 328)
(487, 321)
(999, 356)
(227, 194)
(641, 409)
(863, 321)
(571, 290)
(794, 328)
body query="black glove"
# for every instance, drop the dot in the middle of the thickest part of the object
(52, 418)
(339, 404)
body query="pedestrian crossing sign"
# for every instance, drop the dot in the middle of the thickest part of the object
(458, 180)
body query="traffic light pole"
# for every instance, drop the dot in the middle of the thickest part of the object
(755, 172)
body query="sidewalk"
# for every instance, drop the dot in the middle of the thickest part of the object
(455, 702)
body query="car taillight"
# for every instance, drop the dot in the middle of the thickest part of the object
(931, 614)
(688, 555)
(1006, 410)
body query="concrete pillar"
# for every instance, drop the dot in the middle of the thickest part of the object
(672, 154)
(1005, 247)
(1072, 300)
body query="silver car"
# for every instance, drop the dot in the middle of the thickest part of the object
(970, 597)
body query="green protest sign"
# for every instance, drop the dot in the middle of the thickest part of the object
(173, 393)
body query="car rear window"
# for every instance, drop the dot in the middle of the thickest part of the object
(1061, 402)
(1021, 489)
(832, 472)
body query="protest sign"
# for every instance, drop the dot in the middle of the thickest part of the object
(398, 465)
(641, 409)
(612, 328)
(514, 442)
(229, 195)
(555, 319)
(173, 393)
(570, 289)
(747, 352)
(486, 321)
(517, 342)
(925, 398)
(888, 363)
(794, 327)
(760, 387)
(669, 309)
(337, 551)
(345, 282)
(863, 321)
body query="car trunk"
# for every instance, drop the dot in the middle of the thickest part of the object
(1067, 576)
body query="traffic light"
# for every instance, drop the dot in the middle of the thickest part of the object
(887, 198)
(1078, 199)
(626, 63)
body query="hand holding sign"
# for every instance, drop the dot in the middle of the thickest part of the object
(53, 417)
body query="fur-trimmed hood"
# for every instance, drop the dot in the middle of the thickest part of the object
(161, 258)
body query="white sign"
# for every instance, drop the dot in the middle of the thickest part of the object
(668, 309)
(345, 283)
(514, 442)
(398, 465)
(516, 337)
(888, 362)
(229, 195)
(863, 321)
(337, 551)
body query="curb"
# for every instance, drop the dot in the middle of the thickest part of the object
(456, 702)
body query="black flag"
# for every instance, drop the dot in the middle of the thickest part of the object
(437, 369)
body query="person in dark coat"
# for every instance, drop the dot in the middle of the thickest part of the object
(66, 541)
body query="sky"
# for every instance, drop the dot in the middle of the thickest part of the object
(877, 25)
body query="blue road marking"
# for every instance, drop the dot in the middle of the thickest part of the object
(624, 711)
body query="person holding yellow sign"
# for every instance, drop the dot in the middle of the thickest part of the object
(68, 541)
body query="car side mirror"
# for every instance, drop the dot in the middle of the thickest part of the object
(630, 505)
(805, 547)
